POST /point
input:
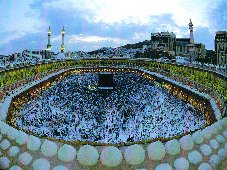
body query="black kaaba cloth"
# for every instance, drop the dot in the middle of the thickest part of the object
(105, 80)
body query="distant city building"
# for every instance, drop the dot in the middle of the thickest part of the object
(4, 59)
(182, 46)
(37, 54)
(164, 41)
(167, 42)
(221, 47)
(68, 54)
(200, 51)
(33, 54)
(211, 57)
(182, 60)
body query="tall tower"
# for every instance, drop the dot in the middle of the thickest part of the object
(48, 45)
(62, 36)
(191, 47)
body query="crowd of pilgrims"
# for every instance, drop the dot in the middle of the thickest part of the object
(136, 109)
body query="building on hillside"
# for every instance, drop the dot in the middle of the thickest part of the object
(164, 41)
(36, 54)
(221, 47)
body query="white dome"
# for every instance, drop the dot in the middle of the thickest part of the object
(195, 157)
(12, 134)
(111, 156)
(15, 167)
(25, 158)
(60, 167)
(41, 164)
(88, 155)
(181, 164)
(206, 149)
(22, 138)
(222, 154)
(214, 160)
(33, 143)
(186, 142)
(49, 148)
(164, 166)
(5, 144)
(13, 151)
(225, 134)
(198, 137)
(156, 151)
(4, 128)
(218, 125)
(206, 132)
(67, 153)
(172, 147)
(205, 166)
(4, 163)
(220, 139)
(214, 144)
(134, 154)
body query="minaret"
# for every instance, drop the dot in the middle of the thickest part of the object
(191, 48)
(48, 45)
(62, 44)
(191, 32)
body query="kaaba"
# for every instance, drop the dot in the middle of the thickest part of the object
(105, 81)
